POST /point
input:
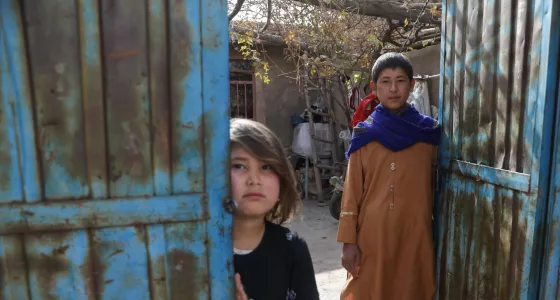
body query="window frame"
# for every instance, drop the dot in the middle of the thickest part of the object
(244, 83)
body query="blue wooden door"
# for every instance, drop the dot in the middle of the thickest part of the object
(113, 127)
(499, 61)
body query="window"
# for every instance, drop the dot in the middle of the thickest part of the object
(241, 89)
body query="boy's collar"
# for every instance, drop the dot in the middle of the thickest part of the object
(401, 110)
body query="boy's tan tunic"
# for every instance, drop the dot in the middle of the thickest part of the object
(387, 211)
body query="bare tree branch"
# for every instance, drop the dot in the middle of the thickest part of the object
(268, 15)
(236, 9)
(391, 9)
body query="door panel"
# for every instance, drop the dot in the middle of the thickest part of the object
(496, 112)
(113, 172)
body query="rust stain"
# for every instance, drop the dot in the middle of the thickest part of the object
(13, 262)
(181, 60)
(185, 281)
(189, 125)
(109, 281)
(55, 84)
(60, 250)
(122, 54)
(51, 157)
(116, 252)
(47, 268)
(27, 213)
(127, 95)
(5, 147)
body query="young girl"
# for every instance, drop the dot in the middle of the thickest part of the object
(270, 262)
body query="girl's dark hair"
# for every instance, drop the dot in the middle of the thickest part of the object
(391, 60)
(264, 145)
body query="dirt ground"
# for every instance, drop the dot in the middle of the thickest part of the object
(318, 228)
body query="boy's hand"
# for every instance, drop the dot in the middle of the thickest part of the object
(351, 258)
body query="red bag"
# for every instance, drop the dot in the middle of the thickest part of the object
(365, 108)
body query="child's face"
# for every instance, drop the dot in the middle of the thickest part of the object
(393, 88)
(254, 185)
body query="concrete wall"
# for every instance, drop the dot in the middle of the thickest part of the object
(281, 98)
(426, 62)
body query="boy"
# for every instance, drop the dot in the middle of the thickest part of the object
(385, 221)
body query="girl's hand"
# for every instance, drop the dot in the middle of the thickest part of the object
(239, 291)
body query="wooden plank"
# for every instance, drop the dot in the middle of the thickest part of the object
(215, 78)
(57, 89)
(161, 141)
(66, 215)
(12, 24)
(186, 95)
(10, 173)
(13, 269)
(187, 274)
(158, 261)
(92, 97)
(314, 159)
(127, 98)
(159, 95)
(120, 263)
(330, 107)
(58, 265)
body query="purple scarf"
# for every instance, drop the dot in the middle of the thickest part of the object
(395, 132)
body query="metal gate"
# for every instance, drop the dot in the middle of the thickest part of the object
(499, 64)
(113, 122)
(549, 286)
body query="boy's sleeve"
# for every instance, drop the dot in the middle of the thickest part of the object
(351, 197)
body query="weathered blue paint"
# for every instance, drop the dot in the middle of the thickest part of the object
(117, 193)
(92, 97)
(63, 215)
(12, 33)
(497, 109)
(55, 85)
(187, 84)
(62, 254)
(12, 259)
(215, 55)
(157, 26)
(505, 178)
(551, 261)
(550, 271)
(11, 187)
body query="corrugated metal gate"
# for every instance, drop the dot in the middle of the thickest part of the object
(499, 64)
(550, 287)
(113, 122)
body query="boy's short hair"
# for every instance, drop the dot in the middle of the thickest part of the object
(391, 60)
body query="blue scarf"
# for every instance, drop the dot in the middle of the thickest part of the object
(395, 132)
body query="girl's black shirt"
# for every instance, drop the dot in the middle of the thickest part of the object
(280, 268)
